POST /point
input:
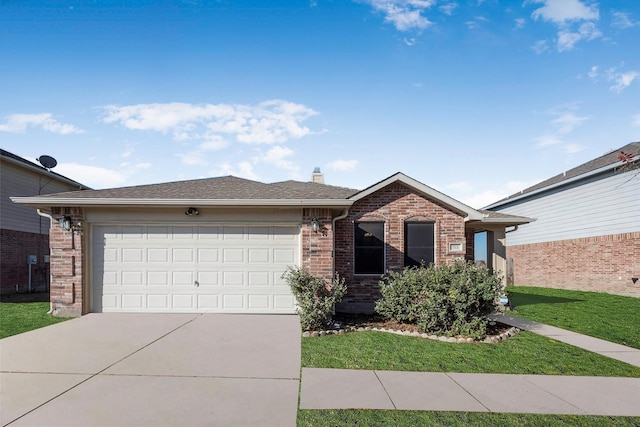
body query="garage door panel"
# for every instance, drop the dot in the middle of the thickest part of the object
(258, 278)
(209, 255)
(259, 302)
(233, 278)
(256, 256)
(284, 256)
(157, 255)
(233, 255)
(164, 268)
(233, 302)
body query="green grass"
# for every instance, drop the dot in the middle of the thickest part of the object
(611, 317)
(464, 419)
(16, 318)
(525, 353)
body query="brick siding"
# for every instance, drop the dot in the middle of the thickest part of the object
(317, 248)
(393, 204)
(15, 247)
(602, 264)
(67, 266)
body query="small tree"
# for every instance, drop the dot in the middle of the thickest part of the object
(315, 297)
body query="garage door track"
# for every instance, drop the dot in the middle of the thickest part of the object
(153, 370)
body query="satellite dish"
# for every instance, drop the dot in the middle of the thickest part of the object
(47, 161)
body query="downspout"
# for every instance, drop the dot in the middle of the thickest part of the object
(48, 215)
(344, 214)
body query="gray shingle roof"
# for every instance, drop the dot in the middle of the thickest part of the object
(608, 159)
(221, 188)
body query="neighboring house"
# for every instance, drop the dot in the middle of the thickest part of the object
(23, 232)
(222, 244)
(587, 232)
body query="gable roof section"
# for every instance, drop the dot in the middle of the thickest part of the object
(27, 164)
(598, 165)
(469, 212)
(221, 191)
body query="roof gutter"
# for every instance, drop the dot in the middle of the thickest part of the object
(122, 202)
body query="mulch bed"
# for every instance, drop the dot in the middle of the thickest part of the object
(377, 321)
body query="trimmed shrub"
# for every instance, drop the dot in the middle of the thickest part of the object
(314, 296)
(450, 299)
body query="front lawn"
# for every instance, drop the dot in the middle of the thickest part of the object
(610, 317)
(370, 418)
(525, 353)
(19, 317)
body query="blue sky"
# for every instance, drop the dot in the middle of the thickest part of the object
(478, 99)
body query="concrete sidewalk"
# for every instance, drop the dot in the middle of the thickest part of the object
(434, 391)
(614, 351)
(431, 391)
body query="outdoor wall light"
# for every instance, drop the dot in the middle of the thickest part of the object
(315, 225)
(65, 223)
(192, 211)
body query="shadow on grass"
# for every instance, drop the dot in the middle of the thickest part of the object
(523, 298)
(25, 297)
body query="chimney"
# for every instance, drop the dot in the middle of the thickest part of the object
(317, 176)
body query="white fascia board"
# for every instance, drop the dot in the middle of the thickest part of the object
(508, 221)
(471, 213)
(84, 201)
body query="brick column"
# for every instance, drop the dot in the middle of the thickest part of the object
(317, 248)
(67, 264)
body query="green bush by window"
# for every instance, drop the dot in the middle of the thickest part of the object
(449, 299)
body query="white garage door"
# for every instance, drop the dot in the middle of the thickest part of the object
(218, 268)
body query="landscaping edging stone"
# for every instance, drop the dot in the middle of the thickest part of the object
(489, 339)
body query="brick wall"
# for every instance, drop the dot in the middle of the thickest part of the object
(317, 248)
(67, 265)
(15, 246)
(602, 264)
(393, 204)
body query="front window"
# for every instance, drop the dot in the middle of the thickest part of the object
(369, 248)
(418, 244)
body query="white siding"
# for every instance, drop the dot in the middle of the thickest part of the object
(606, 206)
(19, 181)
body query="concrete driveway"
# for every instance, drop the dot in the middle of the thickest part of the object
(153, 370)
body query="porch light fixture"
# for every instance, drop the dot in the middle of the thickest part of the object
(65, 223)
(192, 211)
(315, 225)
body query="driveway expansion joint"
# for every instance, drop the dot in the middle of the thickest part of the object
(467, 391)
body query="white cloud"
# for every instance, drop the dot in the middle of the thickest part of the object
(573, 148)
(548, 140)
(568, 39)
(269, 122)
(561, 11)
(520, 23)
(343, 165)
(481, 198)
(476, 22)
(622, 80)
(405, 15)
(593, 72)
(636, 120)
(565, 122)
(18, 123)
(277, 156)
(622, 20)
(241, 170)
(540, 46)
(460, 186)
(93, 176)
(448, 8)
(568, 121)
(409, 42)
